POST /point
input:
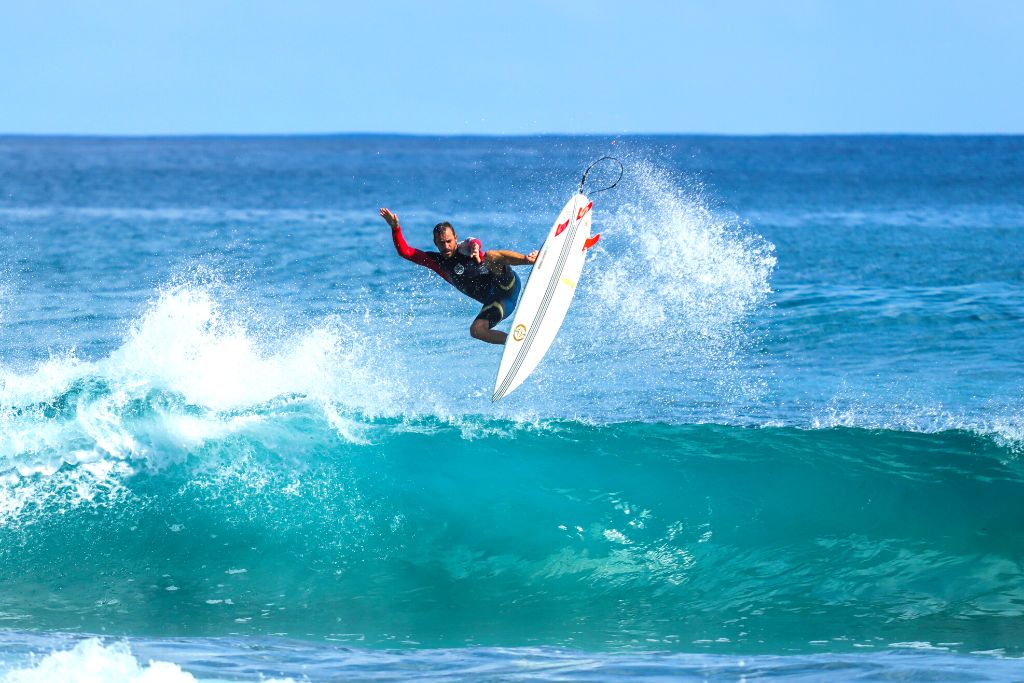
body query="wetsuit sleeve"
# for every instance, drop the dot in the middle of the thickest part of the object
(417, 256)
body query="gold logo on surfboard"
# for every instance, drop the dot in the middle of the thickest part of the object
(519, 332)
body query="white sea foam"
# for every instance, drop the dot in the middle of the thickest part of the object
(90, 661)
(185, 343)
(185, 374)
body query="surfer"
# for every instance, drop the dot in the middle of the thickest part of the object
(484, 276)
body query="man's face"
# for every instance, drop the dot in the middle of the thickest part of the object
(446, 243)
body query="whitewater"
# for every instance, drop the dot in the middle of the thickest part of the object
(779, 433)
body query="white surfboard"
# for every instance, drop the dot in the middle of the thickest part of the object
(547, 296)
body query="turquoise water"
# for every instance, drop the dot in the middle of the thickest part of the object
(779, 435)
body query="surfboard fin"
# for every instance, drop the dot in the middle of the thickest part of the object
(591, 241)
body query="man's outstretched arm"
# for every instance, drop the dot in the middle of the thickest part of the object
(511, 258)
(417, 256)
(401, 246)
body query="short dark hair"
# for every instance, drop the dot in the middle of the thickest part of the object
(441, 227)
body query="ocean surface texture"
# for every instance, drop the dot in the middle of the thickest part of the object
(779, 436)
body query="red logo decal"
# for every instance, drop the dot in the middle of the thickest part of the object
(583, 211)
(561, 227)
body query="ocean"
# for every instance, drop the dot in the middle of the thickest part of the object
(779, 436)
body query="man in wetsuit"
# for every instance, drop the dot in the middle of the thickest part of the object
(485, 277)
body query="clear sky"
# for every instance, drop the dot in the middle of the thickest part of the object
(520, 66)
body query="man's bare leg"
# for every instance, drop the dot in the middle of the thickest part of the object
(480, 329)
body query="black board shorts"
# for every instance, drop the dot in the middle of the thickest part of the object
(501, 302)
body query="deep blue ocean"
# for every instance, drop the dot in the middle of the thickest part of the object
(780, 435)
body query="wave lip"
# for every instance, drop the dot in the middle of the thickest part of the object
(185, 374)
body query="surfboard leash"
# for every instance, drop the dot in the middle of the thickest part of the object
(583, 180)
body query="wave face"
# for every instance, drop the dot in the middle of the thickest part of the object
(268, 519)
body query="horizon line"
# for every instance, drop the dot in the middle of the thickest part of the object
(366, 134)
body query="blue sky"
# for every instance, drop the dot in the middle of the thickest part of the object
(570, 66)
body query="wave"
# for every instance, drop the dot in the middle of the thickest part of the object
(525, 533)
(187, 373)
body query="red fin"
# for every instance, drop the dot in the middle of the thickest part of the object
(591, 241)
(583, 211)
(561, 227)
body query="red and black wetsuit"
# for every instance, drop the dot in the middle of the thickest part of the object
(498, 291)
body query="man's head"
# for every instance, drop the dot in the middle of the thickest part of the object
(445, 239)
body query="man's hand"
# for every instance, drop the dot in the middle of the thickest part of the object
(474, 251)
(390, 217)
(531, 258)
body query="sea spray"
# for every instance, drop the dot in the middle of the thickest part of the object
(186, 375)
(678, 268)
(185, 343)
(670, 301)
